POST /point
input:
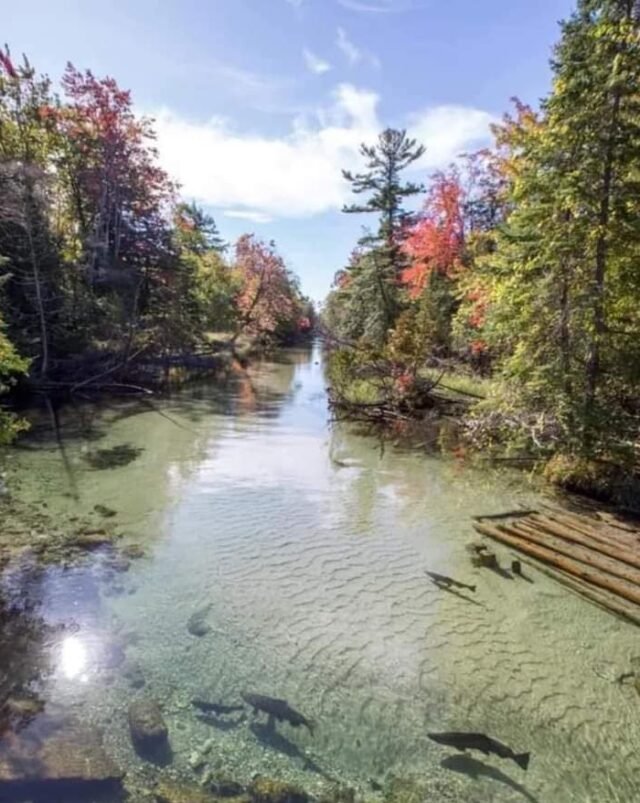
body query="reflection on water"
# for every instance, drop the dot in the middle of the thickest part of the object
(73, 659)
(288, 558)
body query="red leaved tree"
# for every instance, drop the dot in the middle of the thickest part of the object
(119, 195)
(436, 241)
(267, 298)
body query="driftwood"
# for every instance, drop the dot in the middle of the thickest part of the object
(595, 529)
(575, 551)
(603, 599)
(508, 514)
(620, 553)
(584, 570)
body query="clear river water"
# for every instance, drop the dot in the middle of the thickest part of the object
(301, 548)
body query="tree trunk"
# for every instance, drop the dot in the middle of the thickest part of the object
(593, 364)
(35, 269)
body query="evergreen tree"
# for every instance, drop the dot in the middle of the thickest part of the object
(378, 273)
(565, 279)
(198, 230)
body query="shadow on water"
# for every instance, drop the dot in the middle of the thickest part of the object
(25, 658)
(161, 756)
(220, 722)
(267, 735)
(115, 457)
(525, 577)
(458, 594)
(477, 769)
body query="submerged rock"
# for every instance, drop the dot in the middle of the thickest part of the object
(172, 792)
(198, 758)
(406, 790)
(133, 551)
(341, 794)
(134, 674)
(269, 790)
(54, 754)
(105, 512)
(119, 563)
(481, 555)
(92, 539)
(197, 624)
(23, 707)
(114, 457)
(149, 732)
(224, 786)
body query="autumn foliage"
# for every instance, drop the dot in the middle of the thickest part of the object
(436, 241)
(267, 300)
(98, 254)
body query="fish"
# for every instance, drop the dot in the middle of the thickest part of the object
(215, 708)
(448, 582)
(280, 709)
(480, 741)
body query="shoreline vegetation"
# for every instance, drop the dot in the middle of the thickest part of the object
(109, 280)
(508, 303)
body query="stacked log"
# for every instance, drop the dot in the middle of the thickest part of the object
(597, 557)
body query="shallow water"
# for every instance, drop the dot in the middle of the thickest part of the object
(304, 548)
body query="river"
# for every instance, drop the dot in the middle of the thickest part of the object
(301, 547)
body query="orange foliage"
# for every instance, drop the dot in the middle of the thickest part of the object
(436, 241)
(265, 298)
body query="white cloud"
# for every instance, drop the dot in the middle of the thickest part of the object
(352, 52)
(248, 214)
(314, 63)
(447, 131)
(345, 44)
(300, 174)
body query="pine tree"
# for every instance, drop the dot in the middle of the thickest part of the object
(379, 273)
(565, 277)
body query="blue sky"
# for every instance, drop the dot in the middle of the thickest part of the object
(260, 103)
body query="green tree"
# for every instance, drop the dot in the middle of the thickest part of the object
(31, 267)
(11, 365)
(564, 279)
(377, 272)
(197, 230)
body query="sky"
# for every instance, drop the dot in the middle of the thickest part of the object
(260, 104)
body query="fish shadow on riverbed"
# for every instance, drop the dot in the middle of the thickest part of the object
(267, 735)
(221, 723)
(458, 594)
(478, 769)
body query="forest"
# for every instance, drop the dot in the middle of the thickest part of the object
(517, 279)
(380, 548)
(102, 264)
(512, 275)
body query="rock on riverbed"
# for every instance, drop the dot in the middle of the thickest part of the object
(149, 732)
(198, 624)
(51, 754)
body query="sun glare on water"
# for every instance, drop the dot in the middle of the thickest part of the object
(74, 659)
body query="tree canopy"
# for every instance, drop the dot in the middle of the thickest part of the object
(523, 261)
(100, 258)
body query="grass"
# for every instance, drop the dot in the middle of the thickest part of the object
(458, 382)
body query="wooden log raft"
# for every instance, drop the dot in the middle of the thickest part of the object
(592, 557)
(603, 599)
(625, 565)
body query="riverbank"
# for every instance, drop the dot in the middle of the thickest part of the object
(450, 411)
(29, 527)
(284, 556)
